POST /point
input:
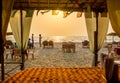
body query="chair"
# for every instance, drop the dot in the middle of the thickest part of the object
(51, 44)
(102, 58)
(117, 51)
(85, 43)
(7, 52)
(107, 62)
(9, 44)
(71, 46)
(109, 47)
(16, 53)
(30, 52)
(109, 66)
(45, 43)
(64, 46)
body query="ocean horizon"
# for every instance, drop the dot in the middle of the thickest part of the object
(65, 38)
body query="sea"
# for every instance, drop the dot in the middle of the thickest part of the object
(66, 38)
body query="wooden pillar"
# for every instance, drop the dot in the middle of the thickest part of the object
(22, 50)
(1, 46)
(96, 42)
(1, 54)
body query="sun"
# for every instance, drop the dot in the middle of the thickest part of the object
(58, 38)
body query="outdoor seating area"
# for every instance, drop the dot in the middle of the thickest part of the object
(74, 61)
(108, 66)
(16, 53)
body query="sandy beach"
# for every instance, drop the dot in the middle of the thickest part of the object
(55, 57)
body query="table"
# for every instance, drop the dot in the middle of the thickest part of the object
(59, 75)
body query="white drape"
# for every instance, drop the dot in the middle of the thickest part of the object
(16, 27)
(6, 11)
(15, 22)
(91, 27)
(114, 14)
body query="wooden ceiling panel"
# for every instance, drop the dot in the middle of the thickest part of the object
(59, 4)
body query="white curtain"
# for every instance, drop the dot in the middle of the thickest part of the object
(6, 11)
(114, 14)
(15, 22)
(90, 19)
(103, 23)
(16, 27)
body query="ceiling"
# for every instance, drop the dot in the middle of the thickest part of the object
(69, 5)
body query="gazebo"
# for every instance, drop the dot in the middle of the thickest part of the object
(94, 11)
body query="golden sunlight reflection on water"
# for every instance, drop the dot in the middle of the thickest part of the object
(58, 38)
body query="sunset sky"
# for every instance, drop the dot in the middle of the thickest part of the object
(56, 25)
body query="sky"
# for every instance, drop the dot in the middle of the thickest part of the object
(56, 25)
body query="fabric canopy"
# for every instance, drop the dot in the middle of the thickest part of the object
(6, 11)
(114, 14)
(15, 22)
(103, 22)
